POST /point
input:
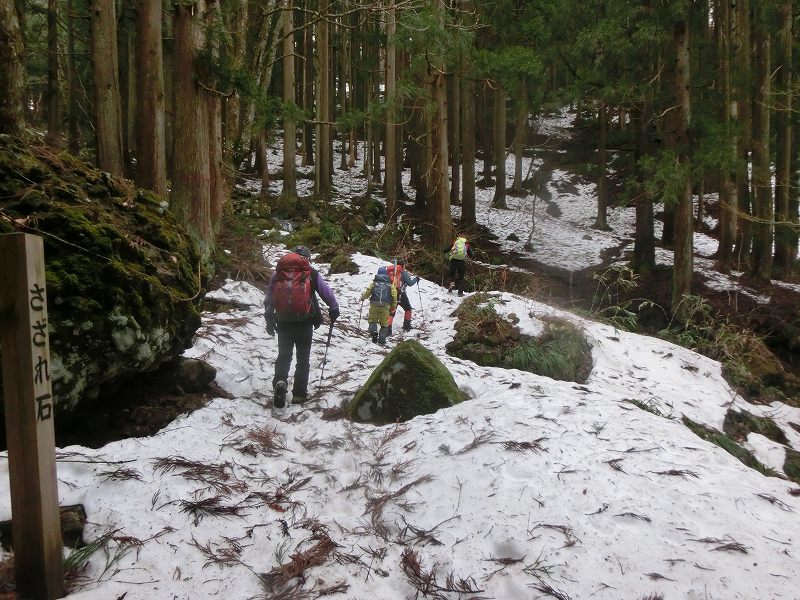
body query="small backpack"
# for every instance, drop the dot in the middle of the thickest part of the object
(381, 290)
(293, 290)
(459, 249)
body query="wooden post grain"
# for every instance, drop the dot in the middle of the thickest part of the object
(29, 409)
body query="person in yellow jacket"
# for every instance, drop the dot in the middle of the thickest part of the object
(382, 296)
(458, 253)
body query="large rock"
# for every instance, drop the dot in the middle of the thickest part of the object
(410, 381)
(122, 277)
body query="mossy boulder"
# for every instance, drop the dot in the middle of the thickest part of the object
(410, 381)
(122, 277)
(342, 263)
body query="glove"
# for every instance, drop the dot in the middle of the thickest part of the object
(416, 280)
(270, 324)
(333, 313)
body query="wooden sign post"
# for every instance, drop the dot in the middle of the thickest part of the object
(36, 526)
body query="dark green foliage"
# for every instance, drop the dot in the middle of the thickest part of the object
(791, 465)
(740, 423)
(730, 446)
(341, 263)
(561, 352)
(488, 339)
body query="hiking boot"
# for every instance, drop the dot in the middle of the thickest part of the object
(406, 325)
(381, 342)
(450, 287)
(279, 400)
(297, 399)
(460, 293)
(374, 337)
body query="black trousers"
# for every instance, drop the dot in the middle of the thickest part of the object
(457, 270)
(294, 335)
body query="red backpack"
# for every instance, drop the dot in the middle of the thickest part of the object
(395, 273)
(292, 292)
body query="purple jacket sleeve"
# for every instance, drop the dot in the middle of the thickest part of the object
(268, 293)
(325, 292)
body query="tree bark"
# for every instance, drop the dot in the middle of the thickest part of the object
(683, 258)
(728, 196)
(454, 133)
(783, 150)
(308, 92)
(107, 104)
(191, 185)
(151, 165)
(439, 195)
(289, 125)
(12, 74)
(324, 158)
(743, 77)
(392, 165)
(520, 138)
(468, 133)
(601, 222)
(53, 106)
(499, 200)
(763, 207)
(644, 256)
(73, 130)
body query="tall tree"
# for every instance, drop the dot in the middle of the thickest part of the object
(53, 100)
(763, 207)
(324, 156)
(742, 84)
(728, 196)
(783, 147)
(151, 165)
(289, 123)
(12, 75)
(392, 162)
(684, 231)
(107, 103)
(191, 183)
(601, 222)
(499, 199)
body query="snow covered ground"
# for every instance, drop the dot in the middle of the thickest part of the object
(532, 488)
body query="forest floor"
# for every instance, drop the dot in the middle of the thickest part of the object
(563, 192)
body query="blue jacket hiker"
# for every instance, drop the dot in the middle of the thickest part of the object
(458, 254)
(382, 296)
(291, 307)
(401, 279)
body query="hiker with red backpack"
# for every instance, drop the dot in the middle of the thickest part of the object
(401, 280)
(458, 253)
(291, 308)
(382, 301)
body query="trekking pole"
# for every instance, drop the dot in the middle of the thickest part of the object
(421, 308)
(325, 358)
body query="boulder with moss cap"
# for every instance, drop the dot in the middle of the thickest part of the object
(411, 381)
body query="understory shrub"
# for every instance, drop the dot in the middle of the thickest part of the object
(488, 339)
(729, 445)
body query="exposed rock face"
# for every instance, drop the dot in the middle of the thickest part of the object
(410, 381)
(122, 278)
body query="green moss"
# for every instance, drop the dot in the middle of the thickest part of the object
(791, 466)
(110, 249)
(730, 446)
(410, 381)
(738, 424)
(646, 407)
(341, 263)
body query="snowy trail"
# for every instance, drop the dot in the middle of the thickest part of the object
(530, 485)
